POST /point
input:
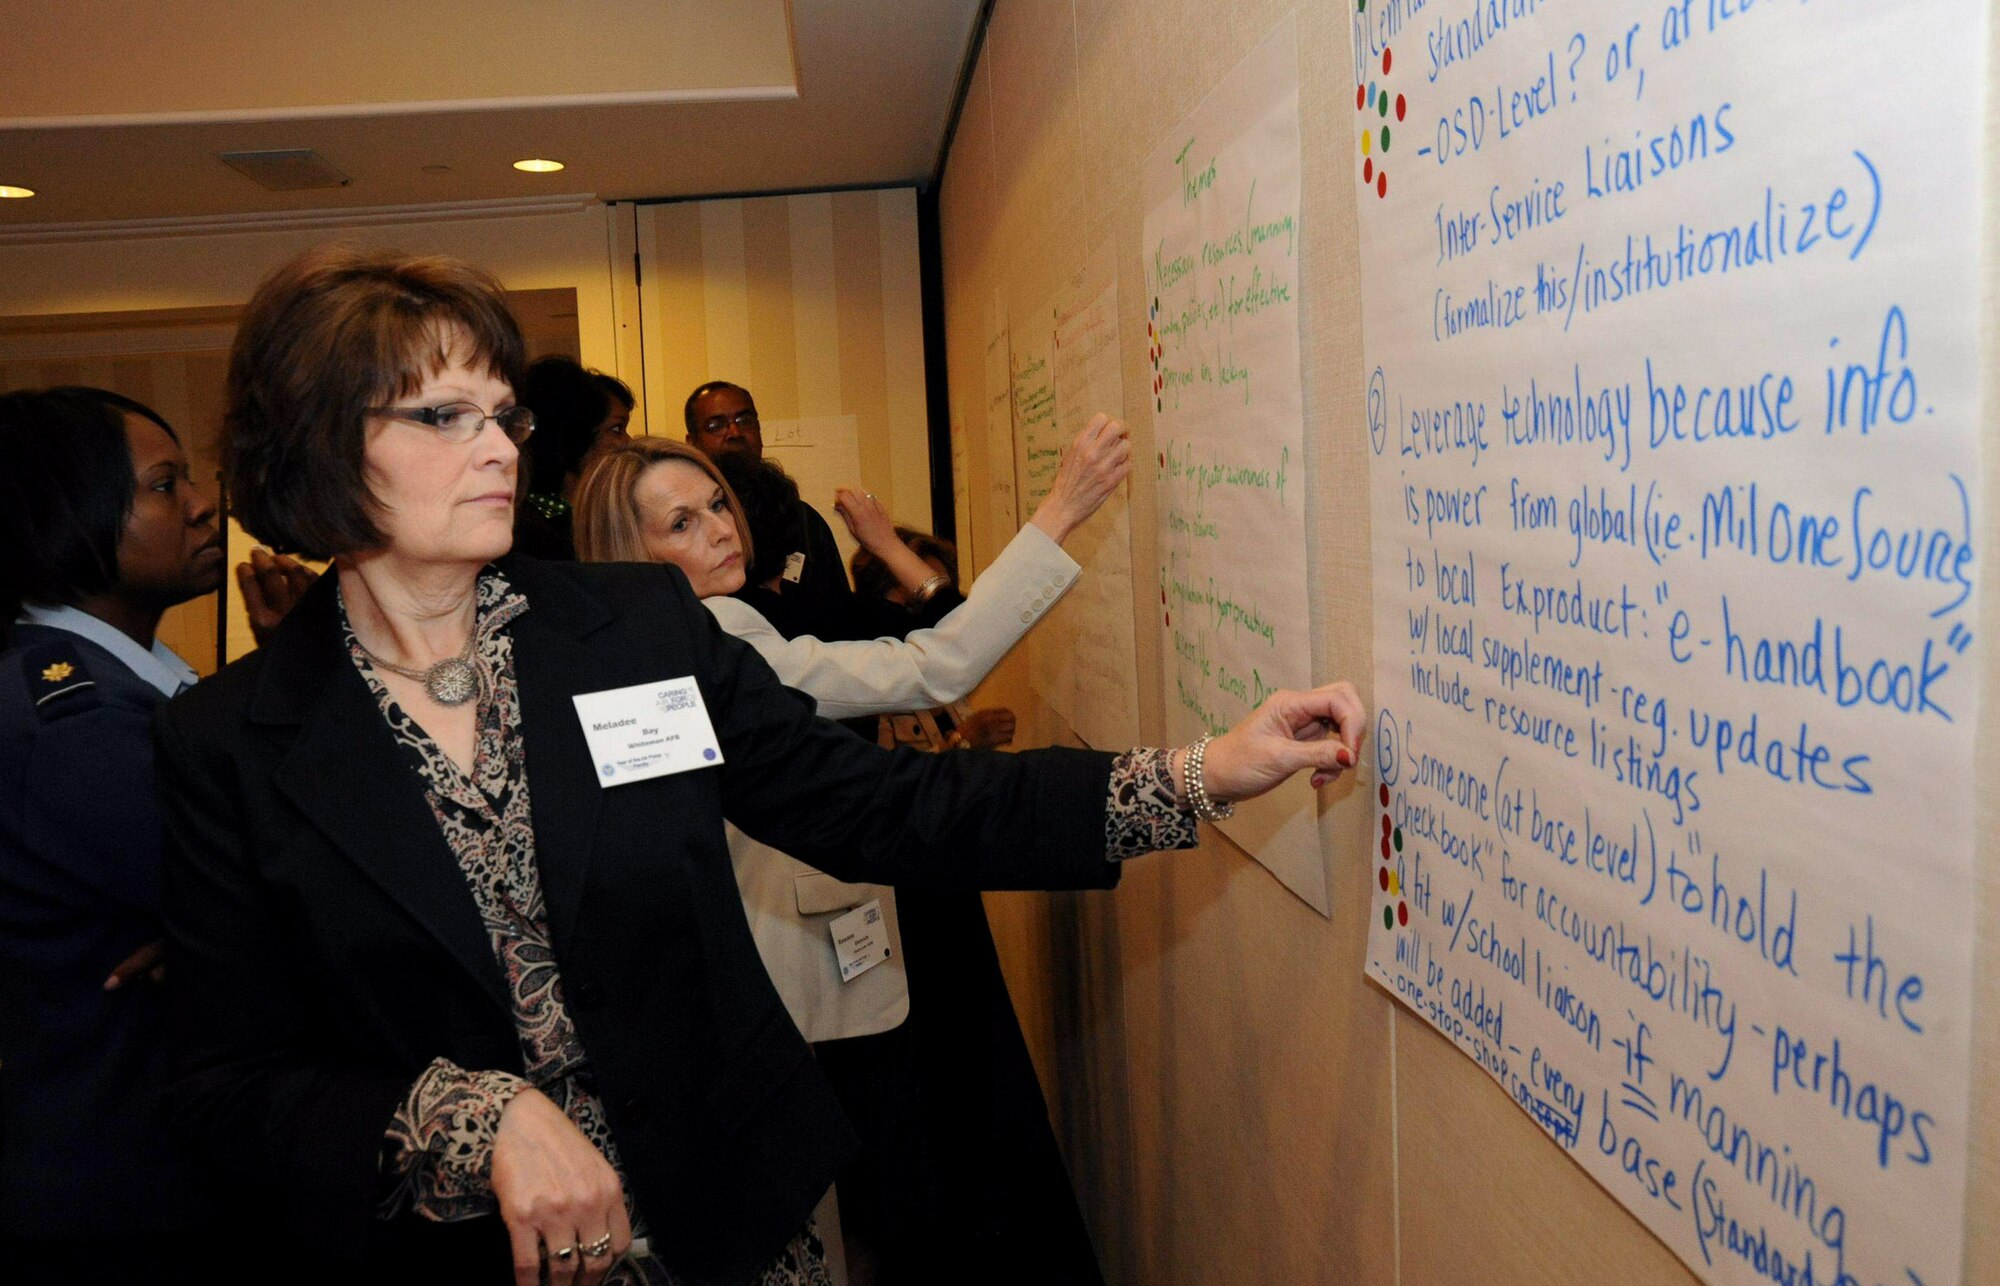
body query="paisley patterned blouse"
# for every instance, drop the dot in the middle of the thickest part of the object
(438, 1151)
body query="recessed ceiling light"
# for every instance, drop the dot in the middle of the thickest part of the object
(538, 165)
(11, 193)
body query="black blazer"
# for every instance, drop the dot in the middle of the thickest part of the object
(326, 949)
(85, 1150)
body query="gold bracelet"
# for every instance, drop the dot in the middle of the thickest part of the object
(928, 590)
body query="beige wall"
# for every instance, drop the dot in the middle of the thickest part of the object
(812, 303)
(1237, 1104)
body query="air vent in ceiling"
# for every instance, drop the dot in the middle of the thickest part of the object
(288, 170)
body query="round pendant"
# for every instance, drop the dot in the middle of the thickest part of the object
(452, 682)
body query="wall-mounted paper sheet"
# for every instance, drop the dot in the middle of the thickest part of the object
(999, 427)
(1221, 252)
(1083, 660)
(1670, 317)
(821, 453)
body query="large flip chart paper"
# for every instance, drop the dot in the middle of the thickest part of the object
(822, 453)
(999, 424)
(1670, 331)
(1082, 656)
(1221, 252)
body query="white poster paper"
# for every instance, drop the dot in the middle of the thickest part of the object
(820, 453)
(1670, 321)
(1083, 657)
(1221, 253)
(999, 426)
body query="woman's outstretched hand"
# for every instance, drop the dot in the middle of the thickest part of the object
(1291, 732)
(867, 521)
(1097, 460)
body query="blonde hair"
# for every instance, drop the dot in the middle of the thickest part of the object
(608, 526)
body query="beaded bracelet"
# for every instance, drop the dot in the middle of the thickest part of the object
(1196, 786)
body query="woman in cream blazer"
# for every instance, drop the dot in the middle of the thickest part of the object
(653, 499)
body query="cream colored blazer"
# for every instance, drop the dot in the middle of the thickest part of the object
(790, 905)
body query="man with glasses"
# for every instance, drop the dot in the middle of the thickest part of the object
(721, 421)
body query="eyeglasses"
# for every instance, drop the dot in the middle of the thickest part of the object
(742, 420)
(462, 421)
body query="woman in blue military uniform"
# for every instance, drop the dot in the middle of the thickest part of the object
(101, 531)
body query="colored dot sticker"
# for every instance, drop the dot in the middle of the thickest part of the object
(1388, 918)
(1395, 885)
(1382, 106)
(1382, 793)
(1385, 847)
(1385, 61)
(1368, 171)
(1386, 826)
(1401, 107)
(1385, 138)
(1382, 184)
(1399, 839)
(1360, 97)
(1402, 912)
(1367, 141)
(1384, 879)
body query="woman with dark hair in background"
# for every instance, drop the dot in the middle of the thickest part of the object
(101, 531)
(618, 415)
(575, 414)
(996, 1171)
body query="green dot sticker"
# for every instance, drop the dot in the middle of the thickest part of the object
(1389, 918)
(1385, 138)
(1398, 837)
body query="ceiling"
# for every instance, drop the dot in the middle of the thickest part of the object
(433, 103)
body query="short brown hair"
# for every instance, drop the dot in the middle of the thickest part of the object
(332, 333)
(607, 527)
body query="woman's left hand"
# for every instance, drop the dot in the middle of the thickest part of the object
(866, 519)
(1292, 731)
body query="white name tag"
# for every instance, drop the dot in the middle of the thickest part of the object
(795, 566)
(647, 730)
(860, 940)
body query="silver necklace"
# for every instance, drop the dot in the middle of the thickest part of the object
(451, 682)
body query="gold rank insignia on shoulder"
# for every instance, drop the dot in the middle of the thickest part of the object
(58, 672)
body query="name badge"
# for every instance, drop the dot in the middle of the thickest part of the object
(795, 566)
(860, 940)
(647, 730)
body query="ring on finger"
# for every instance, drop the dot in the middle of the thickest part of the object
(565, 1254)
(600, 1248)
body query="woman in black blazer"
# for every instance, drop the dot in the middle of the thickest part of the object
(413, 997)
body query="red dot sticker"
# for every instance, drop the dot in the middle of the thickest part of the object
(1385, 62)
(1401, 107)
(1382, 878)
(1368, 171)
(1382, 184)
(1402, 913)
(1385, 848)
(1382, 793)
(1360, 97)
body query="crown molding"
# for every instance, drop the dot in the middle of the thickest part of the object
(293, 220)
(411, 107)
